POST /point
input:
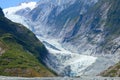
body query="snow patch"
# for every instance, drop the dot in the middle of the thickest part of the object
(13, 10)
(10, 13)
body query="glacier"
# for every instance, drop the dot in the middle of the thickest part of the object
(63, 61)
(10, 13)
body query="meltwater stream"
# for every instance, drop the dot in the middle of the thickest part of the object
(64, 62)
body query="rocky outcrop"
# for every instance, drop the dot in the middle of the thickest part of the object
(1, 12)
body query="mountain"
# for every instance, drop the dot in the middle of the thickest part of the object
(21, 53)
(113, 71)
(75, 28)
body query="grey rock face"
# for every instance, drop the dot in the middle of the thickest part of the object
(81, 26)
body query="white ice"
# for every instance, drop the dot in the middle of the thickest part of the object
(10, 12)
(77, 63)
(62, 61)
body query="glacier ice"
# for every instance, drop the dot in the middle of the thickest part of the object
(65, 62)
(10, 13)
(62, 61)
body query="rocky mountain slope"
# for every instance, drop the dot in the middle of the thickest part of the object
(113, 71)
(78, 23)
(87, 27)
(21, 53)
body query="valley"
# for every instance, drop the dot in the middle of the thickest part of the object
(75, 33)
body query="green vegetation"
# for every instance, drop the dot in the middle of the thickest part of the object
(113, 71)
(24, 53)
(17, 59)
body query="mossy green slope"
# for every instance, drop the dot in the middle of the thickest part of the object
(113, 71)
(23, 53)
